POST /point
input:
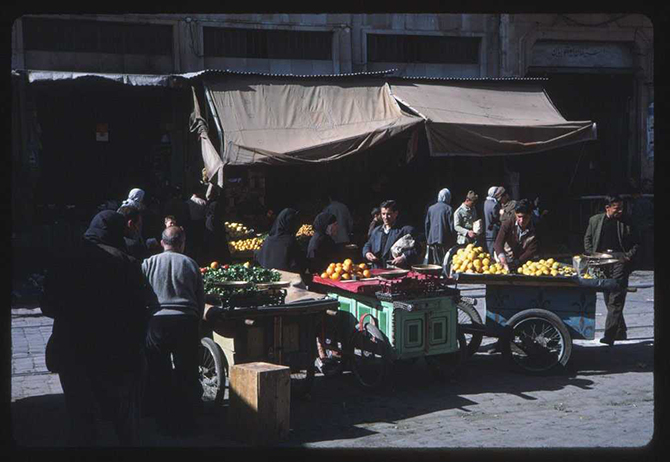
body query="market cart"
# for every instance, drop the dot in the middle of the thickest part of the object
(261, 327)
(394, 315)
(536, 318)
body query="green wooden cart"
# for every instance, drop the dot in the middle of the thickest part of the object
(382, 321)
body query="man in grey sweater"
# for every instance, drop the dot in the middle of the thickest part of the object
(174, 331)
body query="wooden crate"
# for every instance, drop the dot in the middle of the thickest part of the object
(260, 399)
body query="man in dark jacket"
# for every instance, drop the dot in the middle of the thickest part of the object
(136, 246)
(377, 250)
(97, 298)
(439, 227)
(611, 232)
(520, 237)
(216, 241)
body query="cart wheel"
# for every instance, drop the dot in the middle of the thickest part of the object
(370, 358)
(537, 341)
(469, 317)
(449, 365)
(301, 381)
(213, 370)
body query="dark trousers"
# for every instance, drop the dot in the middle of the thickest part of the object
(489, 246)
(173, 393)
(435, 254)
(91, 394)
(615, 325)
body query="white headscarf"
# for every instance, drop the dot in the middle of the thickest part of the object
(135, 197)
(444, 196)
(490, 193)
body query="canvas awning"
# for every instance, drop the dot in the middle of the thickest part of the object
(291, 121)
(489, 118)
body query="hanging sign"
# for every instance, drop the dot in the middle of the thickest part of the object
(102, 132)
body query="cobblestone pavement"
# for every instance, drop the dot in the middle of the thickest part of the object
(605, 398)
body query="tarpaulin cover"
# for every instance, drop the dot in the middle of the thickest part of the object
(211, 159)
(486, 118)
(288, 121)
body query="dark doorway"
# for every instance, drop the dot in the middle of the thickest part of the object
(594, 167)
(77, 168)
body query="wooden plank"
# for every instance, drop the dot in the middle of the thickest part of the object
(256, 343)
(260, 398)
(291, 341)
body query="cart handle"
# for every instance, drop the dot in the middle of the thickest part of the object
(360, 322)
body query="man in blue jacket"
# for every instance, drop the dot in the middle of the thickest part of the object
(378, 248)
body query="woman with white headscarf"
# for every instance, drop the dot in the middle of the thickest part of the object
(492, 215)
(135, 198)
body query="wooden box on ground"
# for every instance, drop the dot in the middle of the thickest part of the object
(259, 406)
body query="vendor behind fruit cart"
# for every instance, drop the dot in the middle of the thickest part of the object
(280, 249)
(322, 248)
(517, 241)
(377, 250)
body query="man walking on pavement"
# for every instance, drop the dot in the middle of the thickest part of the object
(97, 298)
(612, 233)
(439, 228)
(464, 219)
(174, 331)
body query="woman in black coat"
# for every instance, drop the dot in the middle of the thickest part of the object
(322, 249)
(280, 249)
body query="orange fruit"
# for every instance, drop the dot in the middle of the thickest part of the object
(329, 271)
(346, 276)
(363, 266)
(348, 261)
(214, 265)
(338, 270)
(367, 273)
(346, 267)
(335, 276)
(324, 275)
(332, 265)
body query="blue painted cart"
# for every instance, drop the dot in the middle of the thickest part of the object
(536, 318)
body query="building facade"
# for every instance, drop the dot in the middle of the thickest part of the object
(604, 61)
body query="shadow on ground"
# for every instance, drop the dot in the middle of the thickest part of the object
(337, 409)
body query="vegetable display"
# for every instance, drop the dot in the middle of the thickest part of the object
(242, 272)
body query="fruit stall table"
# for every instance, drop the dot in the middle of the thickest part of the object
(277, 325)
(383, 320)
(535, 317)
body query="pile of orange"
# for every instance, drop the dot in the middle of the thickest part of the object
(346, 270)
